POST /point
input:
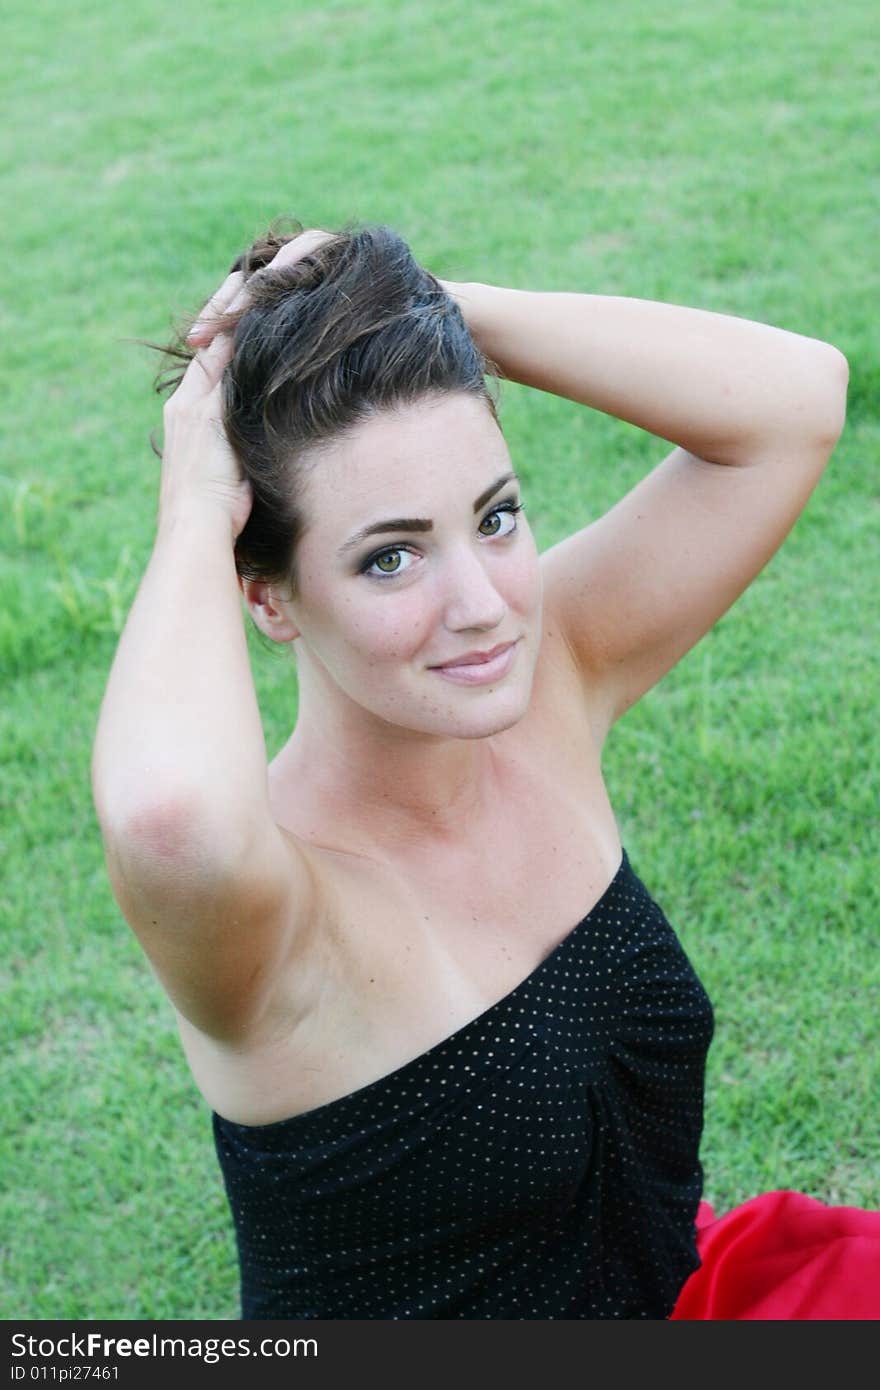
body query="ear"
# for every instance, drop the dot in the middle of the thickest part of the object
(268, 610)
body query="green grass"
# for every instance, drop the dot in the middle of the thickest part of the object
(721, 155)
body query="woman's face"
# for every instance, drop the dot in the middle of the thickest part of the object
(418, 582)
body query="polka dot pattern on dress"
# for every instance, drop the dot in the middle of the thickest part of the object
(541, 1162)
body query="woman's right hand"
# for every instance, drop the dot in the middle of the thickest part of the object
(198, 464)
(203, 330)
(197, 458)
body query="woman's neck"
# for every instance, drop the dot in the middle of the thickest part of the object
(383, 788)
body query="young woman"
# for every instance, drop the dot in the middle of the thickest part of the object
(453, 1047)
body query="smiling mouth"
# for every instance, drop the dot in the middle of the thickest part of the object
(479, 668)
(474, 658)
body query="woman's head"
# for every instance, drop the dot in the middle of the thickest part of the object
(356, 396)
(418, 599)
(353, 328)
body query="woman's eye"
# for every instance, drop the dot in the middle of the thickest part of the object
(388, 562)
(500, 522)
(385, 564)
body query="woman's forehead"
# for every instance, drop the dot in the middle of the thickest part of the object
(413, 458)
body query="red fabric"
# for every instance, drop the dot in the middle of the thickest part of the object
(784, 1257)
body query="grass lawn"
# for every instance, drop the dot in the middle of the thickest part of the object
(721, 155)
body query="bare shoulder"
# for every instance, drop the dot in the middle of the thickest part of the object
(246, 940)
(219, 923)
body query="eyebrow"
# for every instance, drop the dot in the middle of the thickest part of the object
(414, 523)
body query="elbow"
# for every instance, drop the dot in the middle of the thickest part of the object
(175, 834)
(839, 373)
(123, 822)
(828, 398)
(160, 831)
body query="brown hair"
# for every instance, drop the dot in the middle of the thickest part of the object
(355, 327)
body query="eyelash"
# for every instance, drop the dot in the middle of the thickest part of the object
(512, 507)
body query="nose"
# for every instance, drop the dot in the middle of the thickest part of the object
(471, 599)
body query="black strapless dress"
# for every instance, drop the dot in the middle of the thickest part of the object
(540, 1162)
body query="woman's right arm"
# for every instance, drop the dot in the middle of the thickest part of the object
(213, 888)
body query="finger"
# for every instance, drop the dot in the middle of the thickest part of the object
(214, 357)
(302, 245)
(206, 367)
(205, 326)
(228, 300)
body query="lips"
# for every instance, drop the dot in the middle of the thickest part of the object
(479, 668)
(474, 658)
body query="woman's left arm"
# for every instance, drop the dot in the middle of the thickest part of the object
(755, 413)
(720, 387)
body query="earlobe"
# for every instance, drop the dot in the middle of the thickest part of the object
(267, 610)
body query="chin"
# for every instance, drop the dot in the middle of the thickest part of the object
(496, 726)
(494, 714)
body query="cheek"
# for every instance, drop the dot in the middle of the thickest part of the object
(392, 627)
(525, 583)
